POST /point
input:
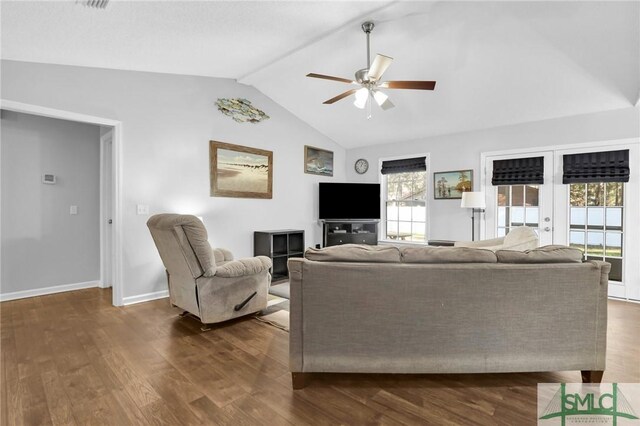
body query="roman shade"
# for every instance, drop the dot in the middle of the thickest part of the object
(604, 166)
(518, 171)
(418, 164)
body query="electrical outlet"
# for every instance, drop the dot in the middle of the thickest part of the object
(73, 210)
(143, 209)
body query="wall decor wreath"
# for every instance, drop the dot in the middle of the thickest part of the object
(241, 110)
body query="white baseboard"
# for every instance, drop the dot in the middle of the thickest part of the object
(147, 297)
(47, 290)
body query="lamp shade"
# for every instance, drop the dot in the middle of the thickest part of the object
(473, 200)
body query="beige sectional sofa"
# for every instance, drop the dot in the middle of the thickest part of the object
(383, 309)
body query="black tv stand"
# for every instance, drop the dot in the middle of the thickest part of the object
(337, 232)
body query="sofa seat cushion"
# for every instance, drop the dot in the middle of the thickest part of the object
(243, 267)
(545, 254)
(354, 253)
(447, 255)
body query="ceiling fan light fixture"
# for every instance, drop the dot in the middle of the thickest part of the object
(380, 97)
(362, 95)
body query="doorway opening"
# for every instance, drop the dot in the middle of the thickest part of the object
(110, 190)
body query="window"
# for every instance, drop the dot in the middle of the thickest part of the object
(406, 206)
(518, 205)
(595, 222)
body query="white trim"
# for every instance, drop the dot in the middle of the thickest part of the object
(116, 171)
(48, 290)
(147, 297)
(106, 259)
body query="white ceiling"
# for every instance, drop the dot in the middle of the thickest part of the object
(496, 63)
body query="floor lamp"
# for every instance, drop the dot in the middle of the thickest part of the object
(475, 202)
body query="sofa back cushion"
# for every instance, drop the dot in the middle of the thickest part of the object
(545, 254)
(354, 253)
(447, 255)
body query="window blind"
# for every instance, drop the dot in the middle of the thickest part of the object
(518, 171)
(418, 164)
(604, 166)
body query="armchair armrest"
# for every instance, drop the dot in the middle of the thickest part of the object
(222, 255)
(243, 267)
(482, 243)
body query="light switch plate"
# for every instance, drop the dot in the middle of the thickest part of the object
(73, 210)
(143, 209)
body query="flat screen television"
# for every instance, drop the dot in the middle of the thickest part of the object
(349, 200)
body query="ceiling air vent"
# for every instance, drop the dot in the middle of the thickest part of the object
(98, 4)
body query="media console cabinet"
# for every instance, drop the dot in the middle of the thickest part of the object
(336, 232)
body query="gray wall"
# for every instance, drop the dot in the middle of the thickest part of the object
(42, 244)
(167, 122)
(462, 151)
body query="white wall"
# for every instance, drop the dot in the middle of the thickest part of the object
(462, 151)
(168, 121)
(42, 244)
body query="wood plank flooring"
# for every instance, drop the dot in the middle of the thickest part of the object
(73, 359)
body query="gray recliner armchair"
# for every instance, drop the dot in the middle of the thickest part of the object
(203, 281)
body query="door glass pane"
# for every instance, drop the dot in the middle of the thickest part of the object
(531, 195)
(614, 217)
(614, 244)
(502, 216)
(517, 195)
(616, 268)
(595, 194)
(501, 232)
(576, 239)
(578, 216)
(595, 243)
(595, 217)
(532, 216)
(577, 194)
(614, 193)
(503, 195)
(517, 216)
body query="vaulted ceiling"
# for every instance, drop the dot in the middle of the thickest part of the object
(495, 63)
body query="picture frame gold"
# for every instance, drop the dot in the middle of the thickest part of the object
(451, 184)
(238, 171)
(318, 161)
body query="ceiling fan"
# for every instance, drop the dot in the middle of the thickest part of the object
(369, 80)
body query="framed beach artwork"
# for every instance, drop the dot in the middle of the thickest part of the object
(451, 185)
(318, 161)
(239, 171)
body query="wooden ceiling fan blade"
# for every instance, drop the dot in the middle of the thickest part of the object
(330, 77)
(417, 85)
(340, 96)
(379, 66)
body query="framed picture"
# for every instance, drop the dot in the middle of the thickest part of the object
(451, 185)
(240, 171)
(318, 161)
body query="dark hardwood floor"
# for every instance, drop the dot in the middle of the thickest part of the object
(72, 358)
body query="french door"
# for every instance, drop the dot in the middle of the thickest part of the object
(510, 206)
(599, 218)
